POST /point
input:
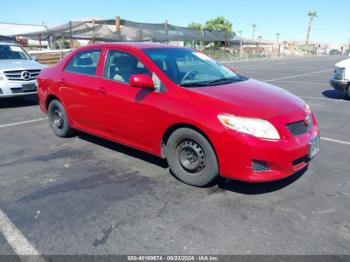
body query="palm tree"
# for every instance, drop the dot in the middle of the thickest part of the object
(260, 37)
(278, 37)
(254, 28)
(311, 15)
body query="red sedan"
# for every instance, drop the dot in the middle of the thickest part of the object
(179, 104)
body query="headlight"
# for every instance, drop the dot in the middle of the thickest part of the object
(253, 126)
(307, 108)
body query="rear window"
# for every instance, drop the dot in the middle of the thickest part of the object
(84, 62)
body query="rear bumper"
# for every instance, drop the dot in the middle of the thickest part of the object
(339, 84)
(283, 157)
(16, 88)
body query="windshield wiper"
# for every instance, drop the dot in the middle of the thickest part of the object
(194, 84)
(221, 81)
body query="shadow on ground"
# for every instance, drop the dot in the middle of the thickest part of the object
(124, 149)
(221, 183)
(334, 94)
(12, 102)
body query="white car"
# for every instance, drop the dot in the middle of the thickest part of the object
(18, 71)
(341, 78)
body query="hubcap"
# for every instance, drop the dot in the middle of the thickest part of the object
(191, 156)
(58, 118)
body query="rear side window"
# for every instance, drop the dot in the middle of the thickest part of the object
(84, 63)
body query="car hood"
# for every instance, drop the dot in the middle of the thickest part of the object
(17, 64)
(344, 63)
(251, 98)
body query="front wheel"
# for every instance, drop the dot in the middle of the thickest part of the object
(58, 119)
(191, 157)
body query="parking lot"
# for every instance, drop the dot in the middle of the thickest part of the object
(85, 195)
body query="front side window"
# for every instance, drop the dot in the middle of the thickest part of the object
(189, 68)
(13, 52)
(84, 62)
(120, 66)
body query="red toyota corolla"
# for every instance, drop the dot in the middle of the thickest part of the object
(179, 104)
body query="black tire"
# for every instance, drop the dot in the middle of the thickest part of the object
(191, 157)
(58, 119)
(348, 91)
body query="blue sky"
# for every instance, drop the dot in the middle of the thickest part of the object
(289, 18)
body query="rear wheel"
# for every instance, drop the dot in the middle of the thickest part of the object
(348, 91)
(58, 119)
(191, 157)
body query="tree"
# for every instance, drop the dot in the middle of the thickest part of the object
(260, 37)
(278, 37)
(254, 28)
(197, 26)
(240, 33)
(194, 25)
(218, 23)
(311, 15)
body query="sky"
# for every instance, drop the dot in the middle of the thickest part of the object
(288, 18)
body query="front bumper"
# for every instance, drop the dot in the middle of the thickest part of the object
(339, 84)
(284, 157)
(17, 88)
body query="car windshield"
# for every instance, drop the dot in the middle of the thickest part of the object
(13, 52)
(190, 68)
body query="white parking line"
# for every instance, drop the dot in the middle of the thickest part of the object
(300, 82)
(336, 141)
(17, 241)
(324, 99)
(24, 122)
(288, 77)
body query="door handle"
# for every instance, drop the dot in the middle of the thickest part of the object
(62, 81)
(101, 90)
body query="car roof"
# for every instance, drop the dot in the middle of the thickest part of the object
(7, 43)
(134, 45)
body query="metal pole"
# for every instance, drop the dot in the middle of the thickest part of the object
(93, 31)
(71, 34)
(40, 41)
(166, 31)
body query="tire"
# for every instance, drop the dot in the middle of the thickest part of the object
(58, 119)
(348, 91)
(191, 157)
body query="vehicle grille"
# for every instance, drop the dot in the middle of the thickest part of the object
(297, 128)
(17, 75)
(259, 166)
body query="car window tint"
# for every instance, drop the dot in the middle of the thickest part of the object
(84, 62)
(120, 66)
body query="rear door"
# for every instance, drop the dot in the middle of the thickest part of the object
(79, 89)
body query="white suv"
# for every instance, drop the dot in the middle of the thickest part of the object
(18, 71)
(341, 78)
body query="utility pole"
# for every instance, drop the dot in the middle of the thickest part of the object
(240, 43)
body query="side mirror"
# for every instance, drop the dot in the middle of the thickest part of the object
(35, 58)
(141, 81)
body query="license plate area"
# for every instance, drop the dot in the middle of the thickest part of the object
(314, 147)
(29, 87)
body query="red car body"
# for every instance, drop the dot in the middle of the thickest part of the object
(142, 119)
